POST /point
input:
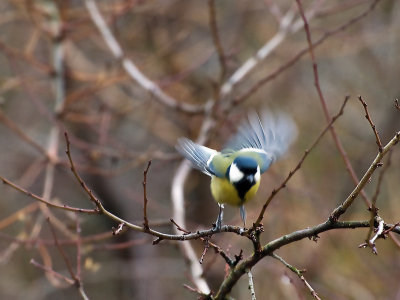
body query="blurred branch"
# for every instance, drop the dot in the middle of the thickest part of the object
(300, 54)
(131, 68)
(335, 137)
(216, 38)
(54, 273)
(20, 133)
(299, 274)
(261, 54)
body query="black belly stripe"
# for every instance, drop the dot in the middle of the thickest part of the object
(242, 187)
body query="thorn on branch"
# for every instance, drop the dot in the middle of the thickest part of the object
(238, 258)
(396, 104)
(118, 230)
(157, 240)
(371, 242)
(314, 238)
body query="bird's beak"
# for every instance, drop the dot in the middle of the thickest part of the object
(250, 178)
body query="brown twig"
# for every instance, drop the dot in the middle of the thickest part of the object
(145, 200)
(299, 164)
(206, 247)
(51, 204)
(378, 140)
(179, 228)
(51, 271)
(64, 256)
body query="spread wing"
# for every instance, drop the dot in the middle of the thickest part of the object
(264, 139)
(198, 155)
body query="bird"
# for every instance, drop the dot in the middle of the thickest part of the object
(236, 170)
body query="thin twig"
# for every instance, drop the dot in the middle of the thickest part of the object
(51, 204)
(299, 274)
(179, 228)
(206, 247)
(145, 200)
(374, 209)
(51, 271)
(378, 140)
(299, 164)
(64, 256)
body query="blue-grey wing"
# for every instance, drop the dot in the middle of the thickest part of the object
(269, 136)
(197, 154)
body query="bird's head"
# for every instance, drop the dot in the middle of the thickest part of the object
(243, 173)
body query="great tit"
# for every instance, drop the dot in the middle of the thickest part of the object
(236, 170)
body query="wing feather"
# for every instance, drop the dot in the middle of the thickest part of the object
(198, 155)
(267, 138)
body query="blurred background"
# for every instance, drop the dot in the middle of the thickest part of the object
(58, 74)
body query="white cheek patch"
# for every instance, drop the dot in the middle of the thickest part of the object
(235, 175)
(257, 175)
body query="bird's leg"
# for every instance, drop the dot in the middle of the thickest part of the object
(218, 223)
(243, 214)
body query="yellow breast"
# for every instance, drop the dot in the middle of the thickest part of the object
(225, 193)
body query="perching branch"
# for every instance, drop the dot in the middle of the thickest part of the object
(236, 273)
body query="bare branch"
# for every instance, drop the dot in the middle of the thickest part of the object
(64, 256)
(54, 273)
(298, 166)
(338, 144)
(364, 180)
(300, 54)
